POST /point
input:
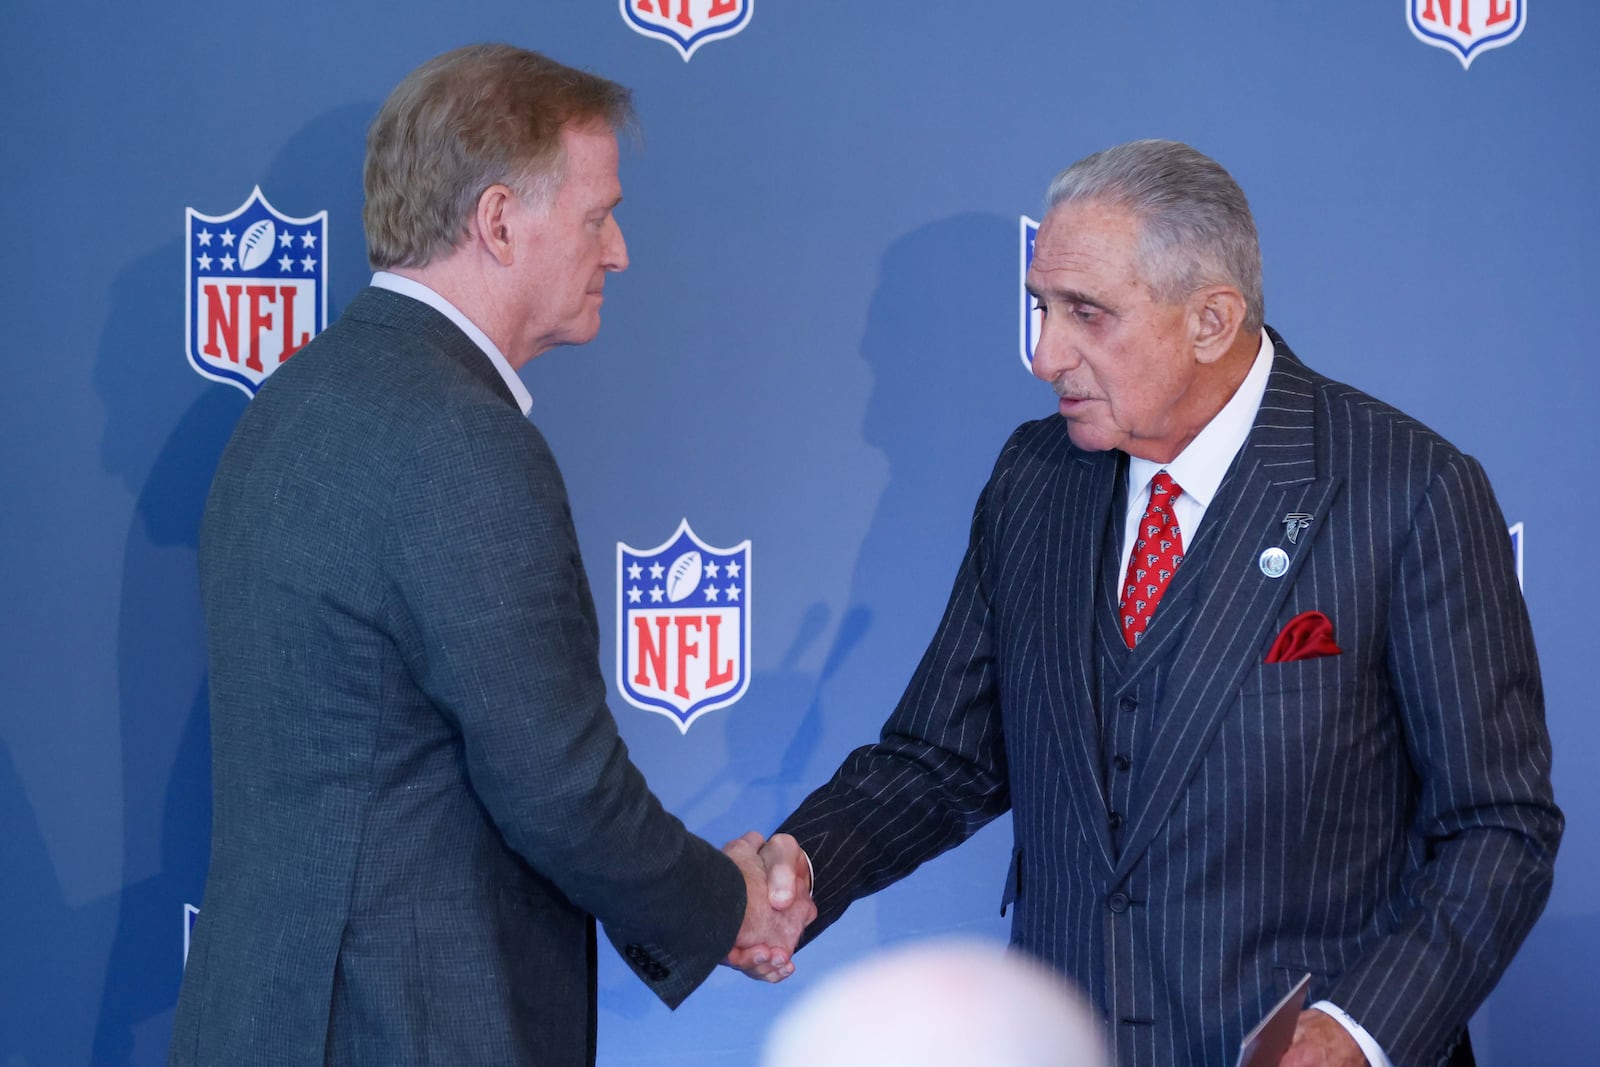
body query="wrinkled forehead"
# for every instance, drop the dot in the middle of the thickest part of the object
(1086, 238)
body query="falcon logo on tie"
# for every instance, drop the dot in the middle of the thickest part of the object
(683, 626)
(687, 24)
(1468, 28)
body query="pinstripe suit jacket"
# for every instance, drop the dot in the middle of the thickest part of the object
(1382, 818)
(420, 796)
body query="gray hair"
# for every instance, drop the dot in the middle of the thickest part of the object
(461, 122)
(1195, 227)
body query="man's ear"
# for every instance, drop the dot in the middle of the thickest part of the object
(492, 222)
(1216, 314)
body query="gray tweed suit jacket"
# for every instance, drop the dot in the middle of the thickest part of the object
(1195, 828)
(421, 800)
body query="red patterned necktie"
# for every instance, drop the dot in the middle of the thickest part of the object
(1157, 551)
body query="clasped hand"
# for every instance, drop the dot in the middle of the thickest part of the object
(778, 907)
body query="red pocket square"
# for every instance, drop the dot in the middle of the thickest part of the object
(1306, 636)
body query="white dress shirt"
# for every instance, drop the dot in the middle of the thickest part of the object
(417, 291)
(1199, 470)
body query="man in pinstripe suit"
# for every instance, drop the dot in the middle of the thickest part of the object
(1325, 753)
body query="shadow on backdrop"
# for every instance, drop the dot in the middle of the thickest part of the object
(946, 291)
(166, 454)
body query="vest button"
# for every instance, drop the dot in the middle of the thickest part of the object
(1118, 902)
(1128, 704)
(1121, 762)
(1115, 820)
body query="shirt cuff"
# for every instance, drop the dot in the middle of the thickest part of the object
(1369, 1047)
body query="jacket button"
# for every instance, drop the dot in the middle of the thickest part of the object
(1114, 820)
(1118, 902)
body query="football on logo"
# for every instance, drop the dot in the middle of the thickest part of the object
(257, 290)
(1468, 28)
(687, 24)
(683, 626)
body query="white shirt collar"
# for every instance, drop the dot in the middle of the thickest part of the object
(417, 291)
(1199, 468)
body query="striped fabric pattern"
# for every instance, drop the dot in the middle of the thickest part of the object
(1382, 819)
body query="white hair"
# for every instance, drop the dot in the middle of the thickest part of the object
(1195, 226)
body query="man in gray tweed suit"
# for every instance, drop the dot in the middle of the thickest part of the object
(1243, 651)
(421, 800)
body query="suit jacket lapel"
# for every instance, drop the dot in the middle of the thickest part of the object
(1075, 532)
(383, 307)
(1235, 602)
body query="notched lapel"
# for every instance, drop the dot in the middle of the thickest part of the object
(1237, 602)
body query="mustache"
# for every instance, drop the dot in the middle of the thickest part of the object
(1068, 390)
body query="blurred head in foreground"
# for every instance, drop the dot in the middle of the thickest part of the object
(939, 1004)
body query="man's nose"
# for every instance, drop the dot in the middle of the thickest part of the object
(614, 251)
(1051, 353)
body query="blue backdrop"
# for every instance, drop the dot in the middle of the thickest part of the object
(816, 350)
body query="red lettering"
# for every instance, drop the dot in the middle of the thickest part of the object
(722, 7)
(685, 623)
(1498, 14)
(651, 653)
(644, 5)
(227, 321)
(683, 17)
(259, 320)
(290, 345)
(717, 675)
(1431, 15)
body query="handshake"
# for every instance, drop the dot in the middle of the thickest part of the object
(778, 907)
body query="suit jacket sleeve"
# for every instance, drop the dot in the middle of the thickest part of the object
(1466, 681)
(937, 773)
(489, 589)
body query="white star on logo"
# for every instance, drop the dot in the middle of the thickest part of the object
(711, 569)
(204, 237)
(733, 569)
(227, 238)
(227, 262)
(635, 571)
(285, 264)
(655, 594)
(204, 261)
(633, 594)
(308, 240)
(710, 592)
(733, 592)
(308, 263)
(657, 570)
(285, 239)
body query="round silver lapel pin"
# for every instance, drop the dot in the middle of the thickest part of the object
(1274, 562)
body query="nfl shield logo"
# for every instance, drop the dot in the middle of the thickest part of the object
(1467, 27)
(683, 626)
(257, 290)
(1031, 315)
(687, 24)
